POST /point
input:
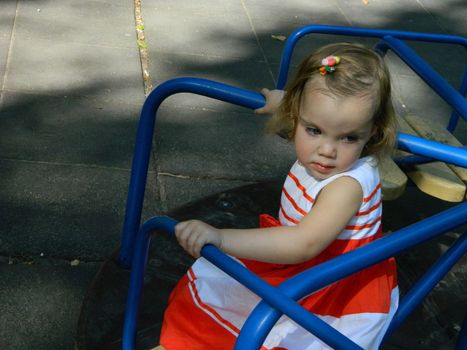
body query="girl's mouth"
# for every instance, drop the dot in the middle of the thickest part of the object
(322, 168)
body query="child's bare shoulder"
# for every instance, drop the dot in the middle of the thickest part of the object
(343, 186)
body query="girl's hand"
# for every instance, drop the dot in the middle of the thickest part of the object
(192, 235)
(273, 101)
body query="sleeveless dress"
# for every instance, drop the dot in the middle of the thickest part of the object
(207, 308)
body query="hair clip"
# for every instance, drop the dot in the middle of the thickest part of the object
(328, 64)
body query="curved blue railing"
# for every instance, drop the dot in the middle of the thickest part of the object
(356, 32)
(280, 300)
(391, 39)
(144, 136)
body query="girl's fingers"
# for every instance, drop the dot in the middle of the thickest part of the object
(262, 110)
(265, 91)
(187, 234)
(259, 111)
(193, 235)
(182, 233)
(180, 228)
(192, 239)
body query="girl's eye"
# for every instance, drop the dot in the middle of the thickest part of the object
(350, 138)
(313, 131)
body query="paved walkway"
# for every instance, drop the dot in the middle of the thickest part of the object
(71, 88)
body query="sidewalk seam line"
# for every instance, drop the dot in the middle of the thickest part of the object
(205, 177)
(129, 48)
(58, 95)
(349, 21)
(271, 73)
(161, 190)
(8, 57)
(240, 59)
(81, 165)
(441, 26)
(35, 259)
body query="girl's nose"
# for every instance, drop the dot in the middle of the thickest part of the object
(327, 149)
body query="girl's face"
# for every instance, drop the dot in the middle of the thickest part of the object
(331, 131)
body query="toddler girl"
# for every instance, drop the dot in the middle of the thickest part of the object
(339, 116)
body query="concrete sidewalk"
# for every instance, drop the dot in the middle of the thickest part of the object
(71, 93)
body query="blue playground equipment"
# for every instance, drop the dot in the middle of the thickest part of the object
(282, 299)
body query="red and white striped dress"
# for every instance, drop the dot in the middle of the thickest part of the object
(208, 308)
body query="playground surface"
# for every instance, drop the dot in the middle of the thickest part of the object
(71, 92)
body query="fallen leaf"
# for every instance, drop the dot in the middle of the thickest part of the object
(279, 37)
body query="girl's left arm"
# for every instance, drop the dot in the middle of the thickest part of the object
(334, 207)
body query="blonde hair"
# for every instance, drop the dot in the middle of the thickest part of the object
(361, 72)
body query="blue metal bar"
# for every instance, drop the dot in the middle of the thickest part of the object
(432, 149)
(278, 300)
(360, 32)
(431, 278)
(234, 269)
(429, 75)
(140, 257)
(411, 160)
(381, 48)
(144, 136)
(455, 116)
(264, 317)
(461, 343)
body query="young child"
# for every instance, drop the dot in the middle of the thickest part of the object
(339, 115)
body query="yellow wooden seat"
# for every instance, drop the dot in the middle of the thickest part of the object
(444, 181)
(436, 178)
(437, 132)
(393, 179)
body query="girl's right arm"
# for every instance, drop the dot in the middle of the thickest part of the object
(333, 208)
(273, 101)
